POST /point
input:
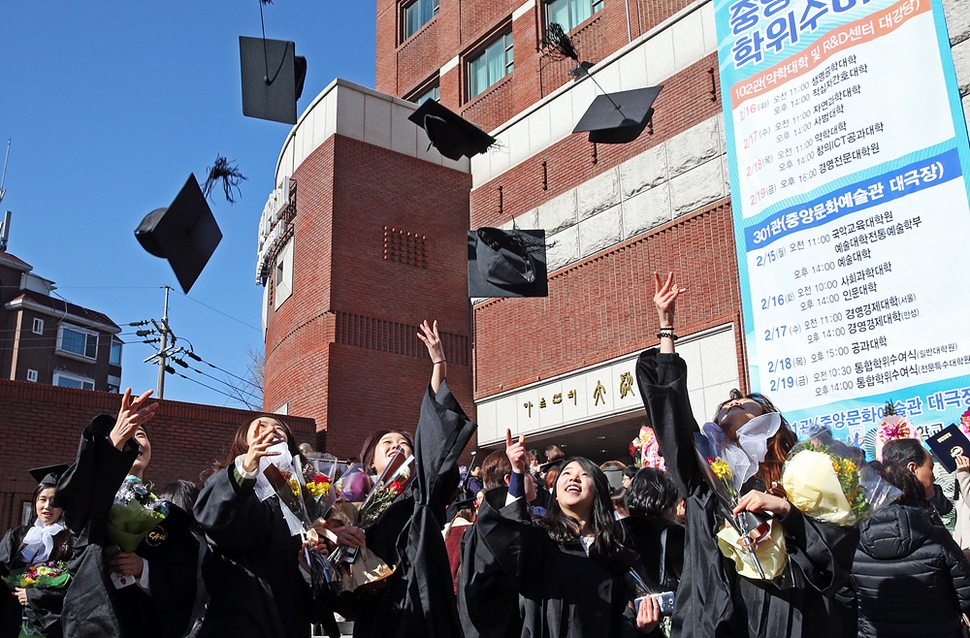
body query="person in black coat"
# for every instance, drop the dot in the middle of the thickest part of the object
(713, 600)
(909, 577)
(572, 571)
(45, 539)
(255, 573)
(159, 603)
(652, 501)
(419, 599)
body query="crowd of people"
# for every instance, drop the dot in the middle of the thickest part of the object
(559, 548)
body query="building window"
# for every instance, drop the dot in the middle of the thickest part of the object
(417, 14)
(38, 326)
(32, 375)
(571, 13)
(115, 359)
(77, 341)
(284, 275)
(491, 65)
(65, 380)
(433, 93)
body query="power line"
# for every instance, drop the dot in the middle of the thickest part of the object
(221, 312)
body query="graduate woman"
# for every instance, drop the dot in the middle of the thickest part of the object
(713, 599)
(255, 573)
(45, 540)
(572, 569)
(419, 600)
(113, 592)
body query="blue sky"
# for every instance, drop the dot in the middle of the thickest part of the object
(110, 105)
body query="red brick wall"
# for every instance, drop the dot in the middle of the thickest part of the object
(42, 425)
(602, 307)
(684, 102)
(342, 348)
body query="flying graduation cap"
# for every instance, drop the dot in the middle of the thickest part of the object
(272, 78)
(507, 263)
(452, 135)
(618, 118)
(185, 233)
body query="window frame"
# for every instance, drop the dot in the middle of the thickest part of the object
(405, 6)
(59, 347)
(32, 373)
(111, 354)
(60, 374)
(38, 326)
(593, 10)
(504, 38)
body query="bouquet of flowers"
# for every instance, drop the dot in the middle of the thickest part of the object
(893, 426)
(756, 544)
(134, 513)
(645, 449)
(965, 423)
(359, 567)
(828, 484)
(46, 575)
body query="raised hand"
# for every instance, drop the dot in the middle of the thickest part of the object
(258, 449)
(758, 502)
(665, 295)
(432, 341)
(131, 416)
(963, 463)
(516, 452)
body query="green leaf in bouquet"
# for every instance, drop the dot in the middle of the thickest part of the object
(129, 524)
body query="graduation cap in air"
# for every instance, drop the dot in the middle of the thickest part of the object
(272, 78)
(618, 118)
(507, 263)
(185, 233)
(452, 135)
(48, 474)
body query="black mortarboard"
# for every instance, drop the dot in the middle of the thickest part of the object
(618, 118)
(185, 233)
(507, 263)
(49, 474)
(452, 135)
(272, 78)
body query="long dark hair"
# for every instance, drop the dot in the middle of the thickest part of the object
(241, 446)
(608, 537)
(899, 475)
(366, 457)
(778, 446)
(652, 493)
(33, 502)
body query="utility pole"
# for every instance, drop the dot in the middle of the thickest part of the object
(165, 348)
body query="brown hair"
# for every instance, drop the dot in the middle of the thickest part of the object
(366, 457)
(241, 446)
(494, 468)
(778, 446)
(553, 453)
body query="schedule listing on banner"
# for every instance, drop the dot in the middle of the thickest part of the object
(849, 157)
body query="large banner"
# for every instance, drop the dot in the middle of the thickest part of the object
(849, 159)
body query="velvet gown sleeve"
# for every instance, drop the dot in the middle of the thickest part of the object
(420, 599)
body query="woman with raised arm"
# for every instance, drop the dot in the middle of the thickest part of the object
(571, 569)
(713, 599)
(256, 573)
(147, 591)
(419, 600)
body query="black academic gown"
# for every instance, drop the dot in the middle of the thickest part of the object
(420, 599)
(564, 593)
(712, 599)
(252, 575)
(93, 607)
(43, 608)
(488, 602)
(660, 544)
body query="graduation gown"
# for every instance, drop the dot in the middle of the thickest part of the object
(564, 593)
(93, 607)
(43, 608)
(252, 575)
(420, 601)
(712, 599)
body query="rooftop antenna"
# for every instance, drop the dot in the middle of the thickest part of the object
(4, 178)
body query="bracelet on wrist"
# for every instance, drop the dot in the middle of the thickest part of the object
(669, 334)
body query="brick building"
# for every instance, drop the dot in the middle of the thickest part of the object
(558, 369)
(48, 340)
(186, 438)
